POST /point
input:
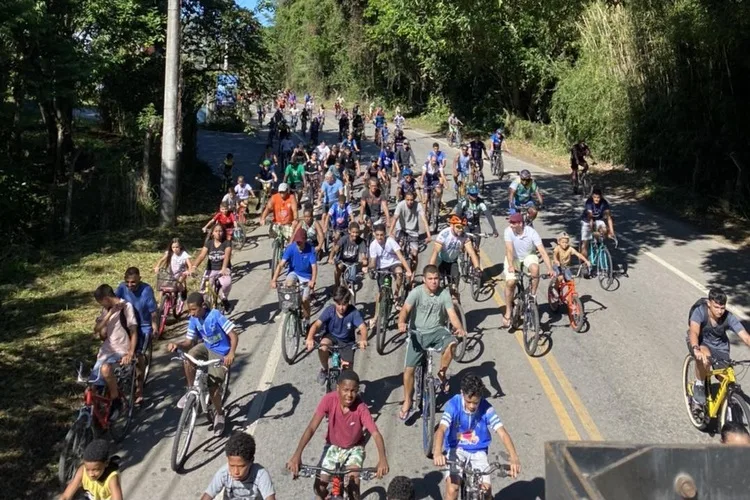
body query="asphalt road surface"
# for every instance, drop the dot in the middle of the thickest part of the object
(618, 380)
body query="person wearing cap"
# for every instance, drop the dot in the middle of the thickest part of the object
(449, 244)
(472, 208)
(303, 269)
(521, 242)
(405, 156)
(521, 192)
(562, 256)
(407, 185)
(283, 206)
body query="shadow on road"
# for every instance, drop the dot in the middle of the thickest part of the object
(523, 490)
(263, 402)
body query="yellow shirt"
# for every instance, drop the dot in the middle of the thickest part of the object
(563, 256)
(97, 490)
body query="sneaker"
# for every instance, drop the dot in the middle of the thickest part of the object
(699, 394)
(182, 401)
(322, 375)
(227, 306)
(219, 425)
(115, 409)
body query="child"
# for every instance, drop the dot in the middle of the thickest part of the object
(225, 218)
(230, 199)
(241, 478)
(97, 476)
(178, 262)
(561, 257)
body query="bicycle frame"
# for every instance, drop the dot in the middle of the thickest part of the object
(714, 402)
(336, 476)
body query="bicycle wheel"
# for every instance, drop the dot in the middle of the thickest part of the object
(148, 355)
(165, 304)
(697, 415)
(735, 409)
(575, 313)
(119, 427)
(382, 313)
(460, 349)
(274, 256)
(553, 297)
(500, 166)
(531, 329)
(238, 239)
(604, 268)
(225, 386)
(428, 416)
(77, 438)
(184, 433)
(585, 185)
(475, 282)
(434, 212)
(289, 331)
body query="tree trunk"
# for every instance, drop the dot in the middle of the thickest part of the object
(48, 117)
(64, 136)
(71, 169)
(15, 138)
(148, 142)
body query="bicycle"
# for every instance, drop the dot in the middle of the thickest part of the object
(404, 242)
(383, 308)
(466, 267)
(471, 479)
(94, 417)
(728, 403)
(451, 284)
(238, 237)
(170, 301)
(453, 136)
(198, 401)
(583, 180)
(350, 275)
(498, 165)
(337, 476)
(563, 293)
(601, 258)
(277, 248)
(264, 195)
(334, 364)
(426, 387)
(312, 181)
(526, 311)
(210, 288)
(290, 327)
(433, 207)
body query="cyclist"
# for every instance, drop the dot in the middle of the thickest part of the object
(596, 218)
(210, 335)
(218, 252)
(294, 117)
(432, 308)
(230, 199)
(373, 206)
(241, 477)
(141, 296)
(562, 256)
(303, 269)
(314, 129)
(465, 433)
(405, 223)
(387, 161)
(323, 152)
(117, 326)
(350, 249)
(329, 191)
(286, 146)
(385, 255)
(453, 124)
(336, 220)
(98, 476)
(399, 120)
(461, 166)
(379, 121)
(269, 155)
(265, 175)
(340, 322)
(283, 206)
(343, 125)
(228, 166)
(376, 171)
(294, 177)
(471, 209)
(243, 192)
(432, 180)
(437, 154)
(225, 218)
(315, 234)
(578, 153)
(520, 194)
(478, 154)
(520, 243)
(405, 156)
(178, 263)
(707, 336)
(348, 418)
(407, 185)
(304, 117)
(349, 166)
(351, 143)
(299, 154)
(358, 125)
(497, 143)
(449, 244)
(398, 139)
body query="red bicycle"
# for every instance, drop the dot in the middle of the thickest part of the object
(94, 417)
(563, 292)
(337, 475)
(171, 299)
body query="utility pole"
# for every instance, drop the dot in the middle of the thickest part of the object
(169, 160)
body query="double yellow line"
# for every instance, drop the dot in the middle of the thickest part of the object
(563, 416)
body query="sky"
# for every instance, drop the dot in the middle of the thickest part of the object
(250, 5)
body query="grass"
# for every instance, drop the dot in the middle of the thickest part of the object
(48, 313)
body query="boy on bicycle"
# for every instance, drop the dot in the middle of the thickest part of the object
(465, 433)
(218, 340)
(348, 251)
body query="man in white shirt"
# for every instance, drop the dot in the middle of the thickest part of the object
(520, 243)
(385, 255)
(323, 152)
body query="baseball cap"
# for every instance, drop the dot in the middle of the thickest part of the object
(515, 218)
(283, 187)
(300, 236)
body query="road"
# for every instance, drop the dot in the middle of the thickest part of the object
(619, 380)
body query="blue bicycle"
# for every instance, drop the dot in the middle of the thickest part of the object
(601, 260)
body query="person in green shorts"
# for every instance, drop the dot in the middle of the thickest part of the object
(294, 176)
(433, 308)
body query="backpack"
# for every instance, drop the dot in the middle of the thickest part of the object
(700, 302)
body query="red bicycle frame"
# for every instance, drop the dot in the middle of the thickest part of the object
(100, 406)
(567, 294)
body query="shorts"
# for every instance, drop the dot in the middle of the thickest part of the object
(439, 339)
(347, 354)
(586, 229)
(352, 457)
(718, 353)
(473, 459)
(563, 271)
(575, 163)
(112, 359)
(527, 262)
(528, 204)
(413, 243)
(449, 269)
(285, 229)
(293, 278)
(203, 353)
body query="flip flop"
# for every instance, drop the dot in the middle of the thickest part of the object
(405, 416)
(506, 323)
(444, 385)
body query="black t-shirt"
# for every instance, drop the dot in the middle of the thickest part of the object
(357, 122)
(476, 148)
(373, 169)
(216, 255)
(344, 122)
(298, 156)
(351, 250)
(331, 160)
(347, 162)
(405, 157)
(312, 167)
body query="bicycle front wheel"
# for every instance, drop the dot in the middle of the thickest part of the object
(697, 415)
(289, 331)
(576, 313)
(735, 409)
(476, 285)
(78, 437)
(148, 355)
(238, 239)
(184, 433)
(119, 427)
(531, 329)
(428, 416)
(165, 304)
(460, 349)
(604, 268)
(382, 313)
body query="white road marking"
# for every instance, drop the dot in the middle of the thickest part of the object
(264, 384)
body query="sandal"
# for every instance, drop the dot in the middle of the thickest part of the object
(138, 398)
(506, 323)
(444, 385)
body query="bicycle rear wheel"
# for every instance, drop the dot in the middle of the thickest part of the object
(289, 331)
(238, 239)
(428, 416)
(77, 438)
(531, 329)
(119, 427)
(184, 433)
(165, 305)
(576, 313)
(382, 313)
(274, 256)
(735, 409)
(604, 268)
(460, 349)
(697, 415)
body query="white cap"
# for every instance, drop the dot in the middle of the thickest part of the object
(283, 187)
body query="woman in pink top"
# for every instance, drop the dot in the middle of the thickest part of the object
(348, 417)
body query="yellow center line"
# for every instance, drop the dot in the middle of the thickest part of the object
(580, 409)
(563, 416)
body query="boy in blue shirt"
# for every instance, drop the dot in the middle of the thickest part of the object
(303, 269)
(465, 433)
(337, 220)
(217, 340)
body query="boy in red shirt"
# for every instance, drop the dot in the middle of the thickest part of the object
(225, 218)
(348, 417)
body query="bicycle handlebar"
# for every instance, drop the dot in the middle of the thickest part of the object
(495, 466)
(474, 235)
(335, 347)
(182, 355)
(366, 473)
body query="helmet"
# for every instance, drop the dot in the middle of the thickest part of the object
(525, 174)
(266, 163)
(407, 171)
(455, 219)
(472, 191)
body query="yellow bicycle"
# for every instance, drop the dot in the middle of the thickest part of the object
(725, 400)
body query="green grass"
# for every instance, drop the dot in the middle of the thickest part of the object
(48, 313)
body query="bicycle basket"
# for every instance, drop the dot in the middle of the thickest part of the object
(165, 281)
(289, 298)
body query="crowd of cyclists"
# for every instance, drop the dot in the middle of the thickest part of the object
(310, 191)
